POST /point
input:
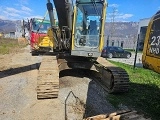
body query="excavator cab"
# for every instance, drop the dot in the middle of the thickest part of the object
(88, 28)
(81, 28)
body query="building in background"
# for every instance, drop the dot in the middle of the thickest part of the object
(142, 29)
(10, 34)
(17, 30)
(124, 34)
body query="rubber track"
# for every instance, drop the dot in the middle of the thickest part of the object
(120, 115)
(121, 79)
(48, 78)
(110, 72)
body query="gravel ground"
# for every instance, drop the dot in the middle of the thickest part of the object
(18, 80)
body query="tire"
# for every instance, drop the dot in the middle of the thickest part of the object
(34, 53)
(128, 56)
(110, 55)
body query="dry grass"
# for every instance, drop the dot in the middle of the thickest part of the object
(8, 45)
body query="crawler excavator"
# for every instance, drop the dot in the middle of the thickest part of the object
(77, 43)
(151, 49)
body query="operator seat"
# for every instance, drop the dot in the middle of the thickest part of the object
(93, 28)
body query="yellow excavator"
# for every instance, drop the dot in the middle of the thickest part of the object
(151, 50)
(77, 43)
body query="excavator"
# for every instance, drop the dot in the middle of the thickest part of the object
(38, 39)
(77, 44)
(151, 50)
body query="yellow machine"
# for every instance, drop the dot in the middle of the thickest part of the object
(81, 27)
(77, 44)
(39, 40)
(151, 50)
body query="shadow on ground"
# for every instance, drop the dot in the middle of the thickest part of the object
(96, 102)
(14, 71)
(143, 98)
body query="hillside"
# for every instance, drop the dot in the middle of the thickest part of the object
(7, 26)
(119, 29)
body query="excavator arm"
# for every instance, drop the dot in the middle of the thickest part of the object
(64, 12)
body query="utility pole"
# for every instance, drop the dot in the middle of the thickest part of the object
(134, 42)
(113, 16)
(136, 52)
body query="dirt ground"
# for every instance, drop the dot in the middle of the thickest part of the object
(79, 96)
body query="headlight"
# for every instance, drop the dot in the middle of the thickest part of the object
(90, 54)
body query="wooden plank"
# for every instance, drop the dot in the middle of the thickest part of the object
(43, 87)
(48, 83)
(47, 96)
(48, 92)
(48, 78)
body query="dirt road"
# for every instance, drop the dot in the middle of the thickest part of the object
(18, 80)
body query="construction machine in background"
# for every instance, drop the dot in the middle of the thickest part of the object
(39, 41)
(151, 49)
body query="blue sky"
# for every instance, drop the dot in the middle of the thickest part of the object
(133, 10)
(125, 10)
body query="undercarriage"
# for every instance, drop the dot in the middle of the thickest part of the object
(113, 79)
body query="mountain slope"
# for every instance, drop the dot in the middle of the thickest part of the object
(7, 26)
(118, 29)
